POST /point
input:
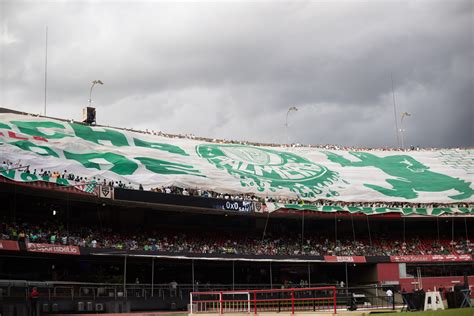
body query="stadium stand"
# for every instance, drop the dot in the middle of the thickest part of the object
(226, 243)
(93, 235)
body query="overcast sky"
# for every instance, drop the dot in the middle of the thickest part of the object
(232, 69)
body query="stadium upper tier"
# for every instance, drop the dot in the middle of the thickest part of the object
(305, 173)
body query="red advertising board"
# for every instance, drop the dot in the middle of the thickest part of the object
(432, 258)
(57, 249)
(9, 245)
(352, 259)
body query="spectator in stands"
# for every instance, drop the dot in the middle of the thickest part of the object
(22, 240)
(52, 239)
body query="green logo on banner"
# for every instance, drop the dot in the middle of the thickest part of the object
(411, 176)
(268, 169)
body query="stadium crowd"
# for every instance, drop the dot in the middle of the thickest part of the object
(174, 241)
(293, 145)
(82, 180)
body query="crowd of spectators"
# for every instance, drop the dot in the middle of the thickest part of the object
(186, 241)
(80, 180)
(55, 174)
(320, 146)
(292, 145)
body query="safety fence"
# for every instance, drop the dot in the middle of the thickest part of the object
(273, 300)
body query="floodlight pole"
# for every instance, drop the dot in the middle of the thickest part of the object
(404, 114)
(46, 71)
(293, 108)
(90, 92)
(395, 112)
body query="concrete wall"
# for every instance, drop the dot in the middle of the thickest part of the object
(387, 272)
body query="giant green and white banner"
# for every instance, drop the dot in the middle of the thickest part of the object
(406, 211)
(444, 176)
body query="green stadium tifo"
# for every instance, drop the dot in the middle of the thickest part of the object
(100, 219)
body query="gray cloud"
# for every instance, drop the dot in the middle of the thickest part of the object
(231, 70)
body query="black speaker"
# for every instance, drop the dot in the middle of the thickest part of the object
(418, 300)
(454, 299)
(89, 115)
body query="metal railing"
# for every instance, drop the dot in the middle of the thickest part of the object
(370, 296)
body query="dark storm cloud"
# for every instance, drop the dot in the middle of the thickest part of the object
(232, 70)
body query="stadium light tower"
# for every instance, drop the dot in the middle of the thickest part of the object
(90, 93)
(293, 108)
(404, 114)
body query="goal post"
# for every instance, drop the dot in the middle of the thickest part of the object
(219, 302)
(314, 299)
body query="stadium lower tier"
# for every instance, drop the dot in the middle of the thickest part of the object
(136, 283)
(123, 256)
(41, 222)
